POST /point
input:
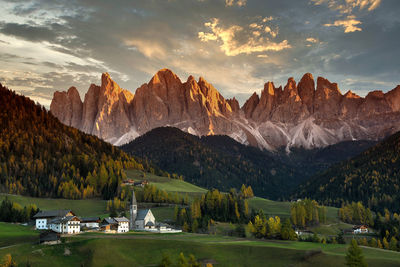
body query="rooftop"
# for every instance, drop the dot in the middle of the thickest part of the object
(51, 213)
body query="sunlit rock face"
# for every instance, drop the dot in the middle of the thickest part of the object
(299, 115)
(68, 107)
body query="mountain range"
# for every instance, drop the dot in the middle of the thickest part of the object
(304, 114)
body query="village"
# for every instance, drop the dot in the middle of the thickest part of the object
(55, 223)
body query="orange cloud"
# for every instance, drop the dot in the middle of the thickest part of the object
(232, 47)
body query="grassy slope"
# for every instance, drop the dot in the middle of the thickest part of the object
(147, 249)
(165, 183)
(11, 234)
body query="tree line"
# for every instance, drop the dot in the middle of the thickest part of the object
(13, 212)
(212, 206)
(356, 213)
(307, 212)
(272, 228)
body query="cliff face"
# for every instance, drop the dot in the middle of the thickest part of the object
(297, 115)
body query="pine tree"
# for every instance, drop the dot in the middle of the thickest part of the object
(373, 243)
(393, 244)
(379, 244)
(385, 243)
(354, 256)
(340, 238)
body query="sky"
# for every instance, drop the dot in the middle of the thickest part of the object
(237, 45)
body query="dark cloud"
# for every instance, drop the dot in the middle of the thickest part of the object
(28, 32)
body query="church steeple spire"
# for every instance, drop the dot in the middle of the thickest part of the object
(133, 211)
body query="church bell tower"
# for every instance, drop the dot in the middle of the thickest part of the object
(133, 211)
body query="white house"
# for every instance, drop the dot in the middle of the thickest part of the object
(44, 217)
(90, 222)
(123, 224)
(360, 229)
(145, 220)
(65, 225)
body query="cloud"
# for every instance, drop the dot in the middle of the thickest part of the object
(235, 2)
(349, 24)
(231, 46)
(42, 39)
(148, 48)
(312, 40)
(348, 6)
(27, 32)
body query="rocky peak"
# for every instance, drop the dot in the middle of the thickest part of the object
(324, 84)
(234, 104)
(165, 78)
(375, 103)
(393, 97)
(73, 93)
(108, 85)
(268, 101)
(327, 99)
(269, 89)
(290, 90)
(67, 107)
(306, 89)
(377, 94)
(191, 79)
(350, 94)
(250, 105)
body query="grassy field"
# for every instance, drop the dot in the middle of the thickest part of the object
(269, 207)
(165, 183)
(11, 234)
(137, 249)
(163, 213)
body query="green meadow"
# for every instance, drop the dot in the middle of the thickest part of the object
(138, 249)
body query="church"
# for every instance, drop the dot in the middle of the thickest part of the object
(142, 219)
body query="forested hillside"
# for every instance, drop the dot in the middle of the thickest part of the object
(214, 161)
(39, 156)
(373, 178)
(218, 161)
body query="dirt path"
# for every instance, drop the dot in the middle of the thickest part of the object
(13, 245)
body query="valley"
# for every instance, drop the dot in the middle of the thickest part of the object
(198, 133)
(134, 248)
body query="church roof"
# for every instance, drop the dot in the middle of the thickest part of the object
(142, 214)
